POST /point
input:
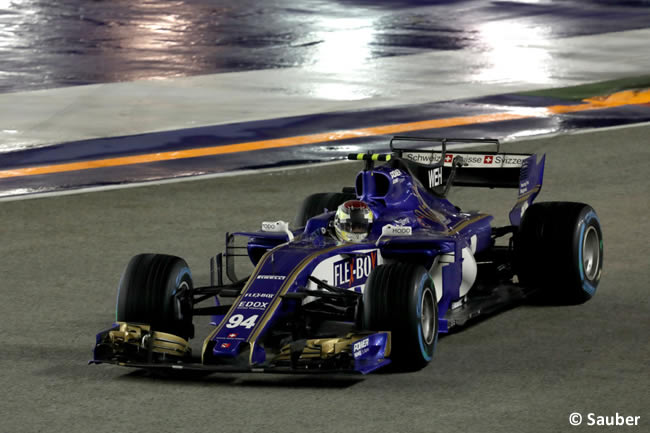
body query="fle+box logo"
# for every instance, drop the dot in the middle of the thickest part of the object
(355, 270)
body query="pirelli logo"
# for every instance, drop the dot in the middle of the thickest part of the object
(271, 277)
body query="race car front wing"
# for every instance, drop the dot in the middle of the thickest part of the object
(138, 346)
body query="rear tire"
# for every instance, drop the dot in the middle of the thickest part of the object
(156, 290)
(401, 298)
(559, 250)
(315, 204)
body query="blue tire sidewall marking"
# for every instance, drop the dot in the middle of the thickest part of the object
(181, 274)
(586, 286)
(184, 271)
(423, 349)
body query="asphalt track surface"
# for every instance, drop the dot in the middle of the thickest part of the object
(524, 370)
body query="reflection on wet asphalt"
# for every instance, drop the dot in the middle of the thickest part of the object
(51, 44)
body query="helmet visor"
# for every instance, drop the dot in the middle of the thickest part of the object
(353, 220)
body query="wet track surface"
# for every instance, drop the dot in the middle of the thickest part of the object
(64, 43)
(524, 370)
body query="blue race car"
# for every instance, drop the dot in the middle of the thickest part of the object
(367, 277)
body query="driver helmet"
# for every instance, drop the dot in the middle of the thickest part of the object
(352, 221)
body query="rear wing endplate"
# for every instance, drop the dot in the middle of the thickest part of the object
(438, 168)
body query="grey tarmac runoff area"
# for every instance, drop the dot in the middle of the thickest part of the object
(525, 370)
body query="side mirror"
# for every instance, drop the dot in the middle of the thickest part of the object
(277, 227)
(393, 230)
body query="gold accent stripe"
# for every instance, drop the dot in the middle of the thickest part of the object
(458, 227)
(252, 278)
(252, 338)
(424, 210)
(170, 343)
(461, 225)
(285, 287)
(389, 344)
(524, 197)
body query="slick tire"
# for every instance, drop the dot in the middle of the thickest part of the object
(559, 251)
(156, 289)
(401, 298)
(315, 204)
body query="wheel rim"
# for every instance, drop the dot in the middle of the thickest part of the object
(591, 253)
(427, 320)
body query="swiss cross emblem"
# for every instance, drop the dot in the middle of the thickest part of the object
(488, 159)
(449, 157)
(232, 335)
(225, 345)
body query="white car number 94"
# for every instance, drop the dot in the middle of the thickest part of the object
(237, 321)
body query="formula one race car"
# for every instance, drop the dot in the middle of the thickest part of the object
(367, 277)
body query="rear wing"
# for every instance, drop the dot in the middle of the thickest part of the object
(438, 168)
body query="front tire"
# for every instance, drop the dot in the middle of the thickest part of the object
(156, 290)
(560, 251)
(401, 298)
